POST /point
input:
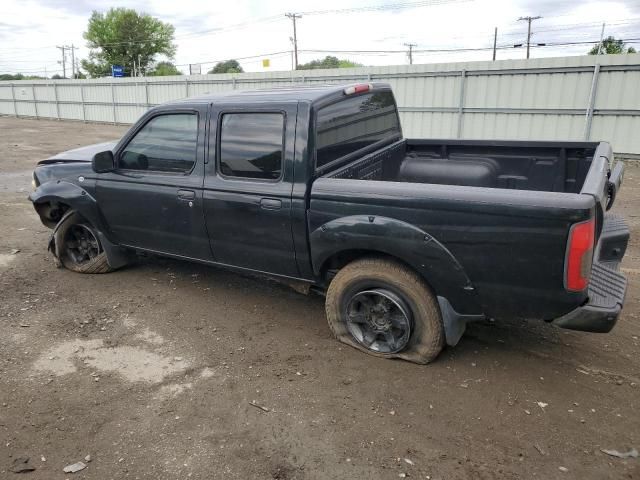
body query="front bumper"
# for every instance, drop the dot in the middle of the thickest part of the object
(607, 286)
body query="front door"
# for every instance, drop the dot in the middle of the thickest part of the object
(153, 200)
(248, 185)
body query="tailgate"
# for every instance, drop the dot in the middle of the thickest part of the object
(603, 182)
(607, 286)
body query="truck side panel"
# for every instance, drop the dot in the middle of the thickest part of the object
(502, 239)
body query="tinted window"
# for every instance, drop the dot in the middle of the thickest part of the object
(354, 123)
(251, 145)
(167, 143)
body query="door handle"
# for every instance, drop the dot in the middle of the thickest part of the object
(186, 194)
(270, 204)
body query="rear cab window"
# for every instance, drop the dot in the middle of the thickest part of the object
(354, 123)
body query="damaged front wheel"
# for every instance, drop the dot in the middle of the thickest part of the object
(77, 247)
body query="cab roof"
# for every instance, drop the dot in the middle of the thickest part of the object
(304, 93)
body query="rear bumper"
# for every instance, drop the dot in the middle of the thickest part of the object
(607, 286)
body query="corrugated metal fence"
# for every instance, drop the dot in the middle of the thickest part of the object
(568, 98)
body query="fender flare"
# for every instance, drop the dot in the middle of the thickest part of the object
(79, 201)
(401, 240)
(68, 193)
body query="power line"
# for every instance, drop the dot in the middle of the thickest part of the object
(237, 26)
(453, 50)
(384, 7)
(270, 54)
(393, 52)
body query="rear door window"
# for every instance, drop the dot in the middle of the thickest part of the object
(251, 145)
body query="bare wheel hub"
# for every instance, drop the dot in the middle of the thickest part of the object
(81, 245)
(379, 320)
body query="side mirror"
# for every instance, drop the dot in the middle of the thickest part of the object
(103, 162)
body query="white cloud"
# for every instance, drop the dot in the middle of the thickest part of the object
(30, 29)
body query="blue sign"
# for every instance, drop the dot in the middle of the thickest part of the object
(117, 71)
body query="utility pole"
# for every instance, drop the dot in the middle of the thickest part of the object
(64, 60)
(495, 42)
(601, 39)
(529, 20)
(73, 61)
(410, 52)
(292, 65)
(293, 17)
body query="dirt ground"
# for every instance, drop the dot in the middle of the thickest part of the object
(155, 371)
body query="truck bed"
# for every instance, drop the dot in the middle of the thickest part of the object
(499, 208)
(538, 166)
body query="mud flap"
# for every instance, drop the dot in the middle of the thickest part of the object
(454, 323)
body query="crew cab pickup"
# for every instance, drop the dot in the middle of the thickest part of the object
(409, 239)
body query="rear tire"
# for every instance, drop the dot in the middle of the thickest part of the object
(385, 309)
(79, 248)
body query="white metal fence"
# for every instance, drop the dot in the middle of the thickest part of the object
(567, 98)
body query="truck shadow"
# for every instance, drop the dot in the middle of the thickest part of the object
(509, 340)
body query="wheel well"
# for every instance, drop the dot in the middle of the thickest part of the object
(51, 212)
(333, 264)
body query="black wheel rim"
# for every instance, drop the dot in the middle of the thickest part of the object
(80, 244)
(379, 320)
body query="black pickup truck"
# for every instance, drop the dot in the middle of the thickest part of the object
(409, 239)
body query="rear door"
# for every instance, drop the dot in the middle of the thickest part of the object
(153, 200)
(248, 184)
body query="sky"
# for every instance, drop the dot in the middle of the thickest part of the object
(372, 32)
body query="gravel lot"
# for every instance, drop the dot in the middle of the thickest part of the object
(152, 370)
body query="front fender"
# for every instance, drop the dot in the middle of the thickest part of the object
(80, 201)
(401, 240)
(76, 197)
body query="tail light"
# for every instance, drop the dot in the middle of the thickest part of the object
(362, 87)
(579, 255)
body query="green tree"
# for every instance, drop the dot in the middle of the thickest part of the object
(228, 66)
(162, 69)
(328, 62)
(20, 76)
(57, 76)
(611, 46)
(123, 36)
(10, 76)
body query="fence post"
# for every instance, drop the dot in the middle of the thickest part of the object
(146, 93)
(186, 87)
(15, 105)
(113, 101)
(233, 83)
(463, 77)
(84, 114)
(35, 100)
(592, 101)
(55, 96)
